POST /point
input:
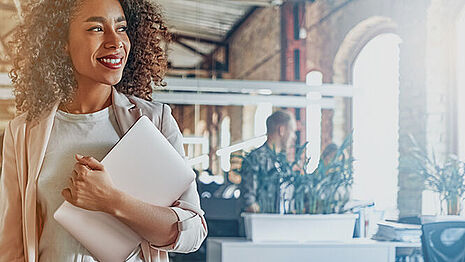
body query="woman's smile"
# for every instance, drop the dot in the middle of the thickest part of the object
(111, 61)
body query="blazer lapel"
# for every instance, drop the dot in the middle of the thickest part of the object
(37, 136)
(125, 111)
(37, 140)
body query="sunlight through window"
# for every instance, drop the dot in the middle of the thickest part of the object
(376, 123)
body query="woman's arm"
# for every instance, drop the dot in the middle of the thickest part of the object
(91, 188)
(154, 223)
(179, 228)
(11, 235)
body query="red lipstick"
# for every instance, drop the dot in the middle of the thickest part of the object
(111, 61)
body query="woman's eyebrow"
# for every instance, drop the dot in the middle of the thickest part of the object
(102, 19)
(96, 19)
(120, 19)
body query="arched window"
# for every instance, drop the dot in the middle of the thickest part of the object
(376, 123)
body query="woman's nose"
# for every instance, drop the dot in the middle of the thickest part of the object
(116, 44)
(113, 41)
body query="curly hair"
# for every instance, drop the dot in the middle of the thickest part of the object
(42, 72)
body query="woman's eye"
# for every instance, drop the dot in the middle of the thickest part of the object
(95, 29)
(123, 29)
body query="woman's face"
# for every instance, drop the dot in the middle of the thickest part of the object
(98, 44)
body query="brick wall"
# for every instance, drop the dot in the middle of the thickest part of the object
(330, 25)
(255, 47)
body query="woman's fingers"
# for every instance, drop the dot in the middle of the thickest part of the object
(66, 193)
(89, 161)
(80, 170)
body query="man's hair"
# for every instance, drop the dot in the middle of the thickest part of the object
(277, 119)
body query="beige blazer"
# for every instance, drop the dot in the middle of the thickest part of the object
(24, 147)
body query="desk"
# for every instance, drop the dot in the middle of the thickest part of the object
(355, 250)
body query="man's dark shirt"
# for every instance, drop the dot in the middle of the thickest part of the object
(259, 161)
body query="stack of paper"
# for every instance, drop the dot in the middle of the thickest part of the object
(391, 231)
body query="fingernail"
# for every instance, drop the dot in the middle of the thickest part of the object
(79, 156)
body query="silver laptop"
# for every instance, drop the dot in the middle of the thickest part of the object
(143, 164)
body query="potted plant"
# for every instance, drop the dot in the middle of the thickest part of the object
(314, 211)
(446, 178)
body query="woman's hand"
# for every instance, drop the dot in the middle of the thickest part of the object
(90, 186)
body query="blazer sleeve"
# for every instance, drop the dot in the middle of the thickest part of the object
(11, 235)
(192, 227)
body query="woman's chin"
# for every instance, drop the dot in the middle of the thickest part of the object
(111, 81)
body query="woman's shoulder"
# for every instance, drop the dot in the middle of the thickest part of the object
(150, 107)
(18, 122)
(146, 105)
(16, 127)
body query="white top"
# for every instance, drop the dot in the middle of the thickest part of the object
(91, 134)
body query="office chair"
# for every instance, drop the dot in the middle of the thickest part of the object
(443, 241)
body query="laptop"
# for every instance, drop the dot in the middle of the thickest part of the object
(143, 164)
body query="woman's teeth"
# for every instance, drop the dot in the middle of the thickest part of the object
(111, 61)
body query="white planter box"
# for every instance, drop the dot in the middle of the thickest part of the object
(301, 228)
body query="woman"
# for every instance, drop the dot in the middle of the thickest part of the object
(82, 75)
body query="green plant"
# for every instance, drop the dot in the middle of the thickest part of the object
(323, 191)
(444, 177)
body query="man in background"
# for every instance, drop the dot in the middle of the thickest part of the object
(281, 127)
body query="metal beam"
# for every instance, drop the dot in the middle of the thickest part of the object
(184, 68)
(257, 87)
(245, 87)
(5, 80)
(197, 33)
(198, 39)
(6, 94)
(239, 24)
(196, 51)
(189, 98)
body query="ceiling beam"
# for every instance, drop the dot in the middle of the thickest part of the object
(183, 68)
(194, 50)
(239, 24)
(198, 39)
(190, 98)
